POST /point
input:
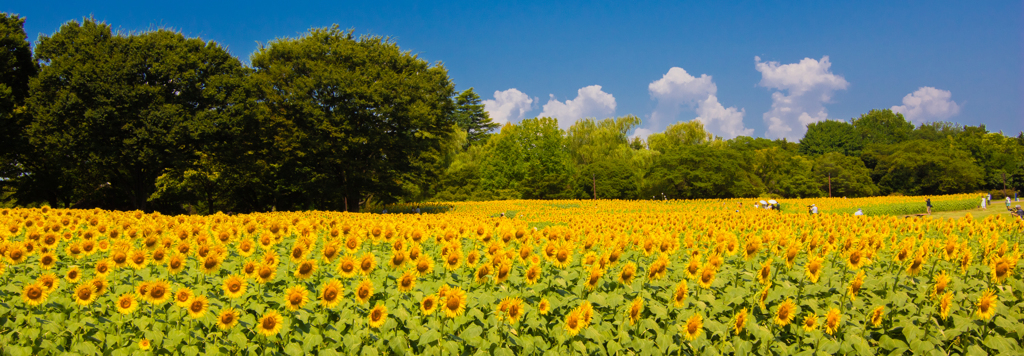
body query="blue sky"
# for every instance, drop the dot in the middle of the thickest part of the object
(754, 68)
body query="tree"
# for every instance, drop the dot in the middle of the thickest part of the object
(683, 133)
(604, 157)
(849, 177)
(17, 67)
(115, 111)
(529, 158)
(831, 136)
(700, 172)
(349, 117)
(921, 167)
(883, 127)
(784, 173)
(470, 117)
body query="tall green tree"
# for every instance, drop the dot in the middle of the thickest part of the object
(848, 176)
(470, 117)
(115, 111)
(831, 136)
(922, 167)
(883, 127)
(700, 172)
(348, 117)
(531, 159)
(16, 68)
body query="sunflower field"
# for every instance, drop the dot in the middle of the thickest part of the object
(560, 277)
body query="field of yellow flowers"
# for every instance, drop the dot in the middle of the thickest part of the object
(549, 277)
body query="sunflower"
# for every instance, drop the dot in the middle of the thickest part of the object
(635, 311)
(454, 303)
(249, 269)
(182, 296)
(365, 291)
(34, 294)
(246, 247)
(331, 294)
(916, 264)
(586, 311)
(453, 260)
(428, 304)
(378, 315)
(659, 268)
(944, 303)
(424, 264)
(305, 269)
(298, 252)
(197, 306)
(270, 324)
(352, 243)
(856, 259)
(562, 257)
(85, 294)
(227, 319)
(514, 310)
(1002, 267)
(234, 286)
(211, 264)
(532, 274)
(126, 303)
(482, 273)
(765, 273)
(986, 305)
(694, 325)
(573, 323)
(49, 281)
(144, 345)
(785, 313)
(265, 273)
(544, 306)
(504, 270)
(347, 267)
(407, 281)
(47, 260)
(627, 273)
(398, 258)
(814, 267)
(367, 263)
(595, 276)
(810, 322)
(855, 284)
(176, 263)
(740, 322)
(832, 320)
(707, 276)
(73, 274)
(296, 297)
(138, 259)
(103, 267)
(876, 316)
(158, 293)
(679, 294)
(941, 283)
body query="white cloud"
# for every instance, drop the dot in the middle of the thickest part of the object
(927, 104)
(809, 85)
(509, 105)
(677, 90)
(642, 133)
(590, 102)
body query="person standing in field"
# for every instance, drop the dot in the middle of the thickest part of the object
(983, 205)
(1007, 202)
(928, 204)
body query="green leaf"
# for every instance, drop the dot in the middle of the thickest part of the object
(579, 347)
(429, 337)
(613, 347)
(311, 342)
(1001, 344)
(472, 334)
(975, 350)
(190, 350)
(16, 350)
(369, 350)
(504, 352)
(293, 349)
(911, 331)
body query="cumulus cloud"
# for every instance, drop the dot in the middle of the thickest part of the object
(808, 84)
(677, 91)
(508, 105)
(589, 102)
(927, 104)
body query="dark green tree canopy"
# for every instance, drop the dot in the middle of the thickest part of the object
(883, 127)
(120, 109)
(831, 136)
(349, 115)
(16, 68)
(471, 117)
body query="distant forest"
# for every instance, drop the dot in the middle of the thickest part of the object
(155, 121)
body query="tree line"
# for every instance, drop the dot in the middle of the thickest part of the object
(157, 121)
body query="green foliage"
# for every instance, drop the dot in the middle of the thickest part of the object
(831, 136)
(16, 68)
(700, 171)
(849, 177)
(883, 127)
(470, 117)
(922, 168)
